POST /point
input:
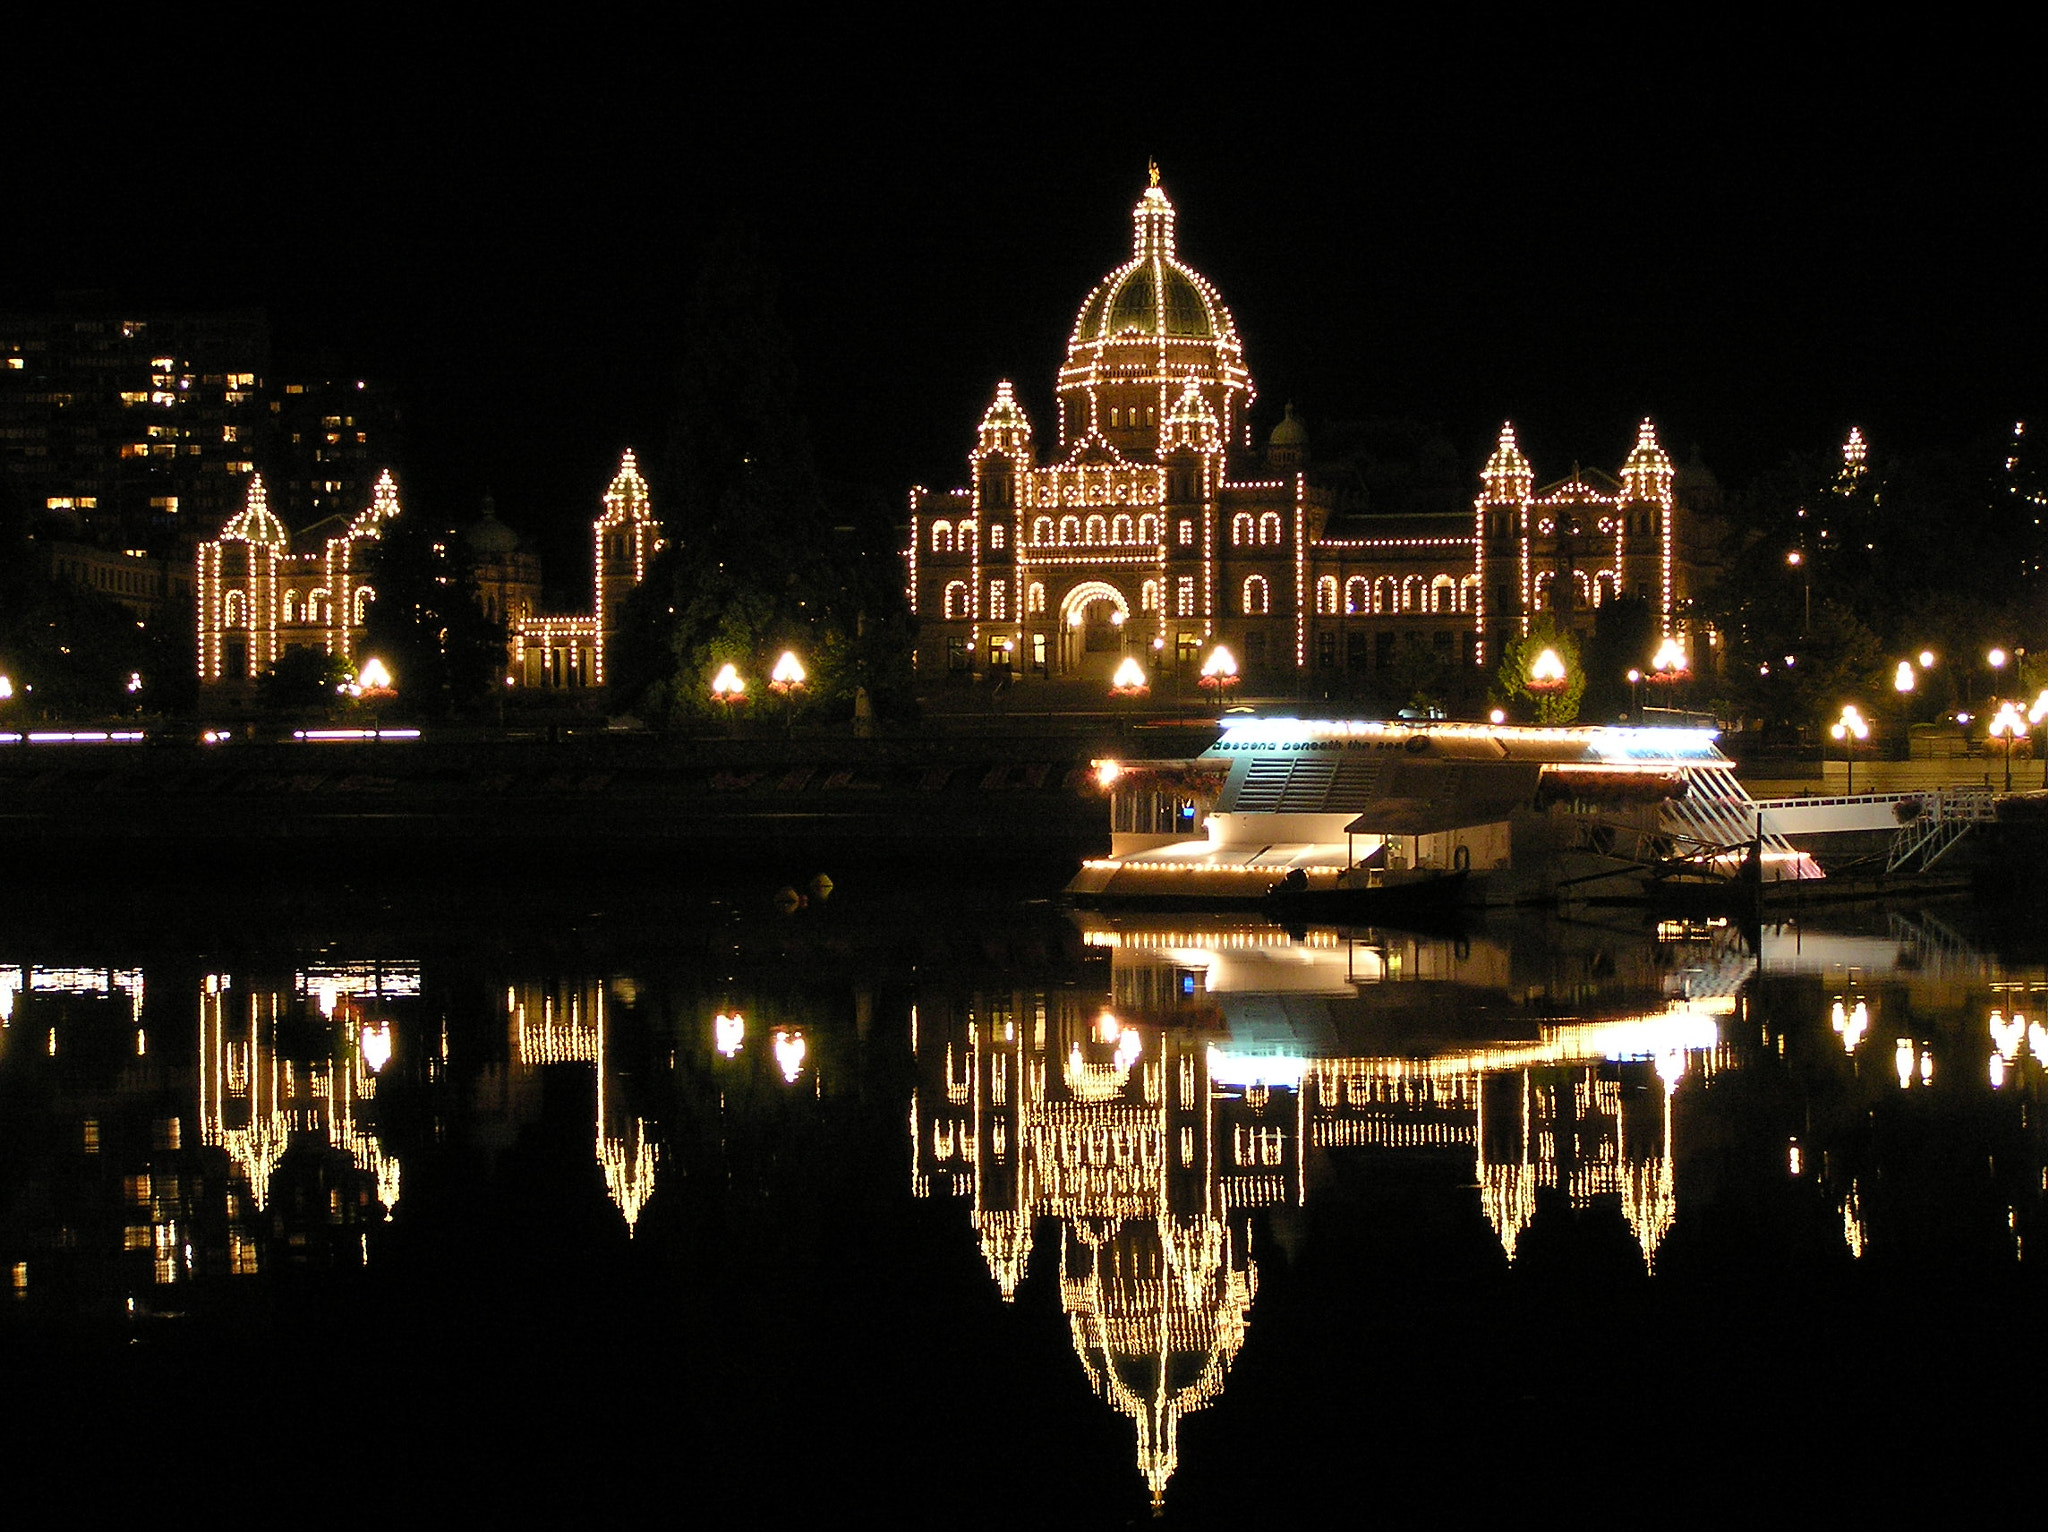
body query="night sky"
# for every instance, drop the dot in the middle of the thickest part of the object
(1758, 241)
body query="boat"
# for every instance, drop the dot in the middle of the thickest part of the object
(1402, 899)
(1382, 815)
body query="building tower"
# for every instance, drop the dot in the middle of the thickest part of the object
(627, 538)
(239, 576)
(1501, 531)
(1645, 533)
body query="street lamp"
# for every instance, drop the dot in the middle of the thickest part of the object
(1546, 672)
(786, 680)
(1797, 560)
(1635, 690)
(1129, 680)
(1219, 673)
(1851, 730)
(728, 690)
(2008, 726)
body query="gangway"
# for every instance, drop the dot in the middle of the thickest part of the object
(1945, 817)
(1925, 825)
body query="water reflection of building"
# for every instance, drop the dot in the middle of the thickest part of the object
(567, 1021)
(1036, 1105)
(109, 1201)
(1232, 1059)
(257, 1100)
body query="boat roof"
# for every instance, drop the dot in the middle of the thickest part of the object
(1591, 744)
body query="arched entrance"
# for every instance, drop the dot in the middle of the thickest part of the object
(1093, 618)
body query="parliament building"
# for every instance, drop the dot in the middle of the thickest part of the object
(1154, 527)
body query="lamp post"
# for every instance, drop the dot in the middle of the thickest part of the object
(728, 690)
(1129, 683)
(2007, 726)
(1546, 679)
(1219, 673)
(786, 681)
(1635, 692)
(1797, 560)
(1850, 729)
(1669, 665)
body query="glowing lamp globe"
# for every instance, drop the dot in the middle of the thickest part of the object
(1220, 668)
(788, 673)
(1546, 672)
(1129, 680)
(727, 685)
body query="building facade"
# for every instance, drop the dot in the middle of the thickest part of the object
(259, 592)
(1153, 527)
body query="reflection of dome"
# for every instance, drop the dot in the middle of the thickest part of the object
(1159, 1311)
(1144, 331)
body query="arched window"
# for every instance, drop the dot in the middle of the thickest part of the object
(1269, 529)
(364, 596)
(1468, 593)
(1037, 597)
(291, 606)
(235, 610)
(967, 530)
(1326, 596)
(956, 599)
(1120, 529)
(1186, 534)
(1070, 531)
(1542, 602)
(1443, 594)
(1148, 528)
(1148, 596)
(1258, 600)
(1582, 588)
(1412, 590)
(1387, 597)
(1357, 595)
(1097, 530)
(1240, 530)
(1041, 530)
(942, 537)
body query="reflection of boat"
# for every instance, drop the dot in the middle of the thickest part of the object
(1368, 894)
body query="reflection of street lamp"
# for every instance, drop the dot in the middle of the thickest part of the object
(1219, 672)
(1851, 730)
(786, 681)
(2008, 726)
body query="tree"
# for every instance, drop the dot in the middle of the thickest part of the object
(426, 623)
(1550, 705)
(303, 677)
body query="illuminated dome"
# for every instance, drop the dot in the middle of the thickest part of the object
(1647, 473)
(1145, 330)
(255, 522)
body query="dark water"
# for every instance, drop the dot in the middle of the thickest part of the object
(958, 1207)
